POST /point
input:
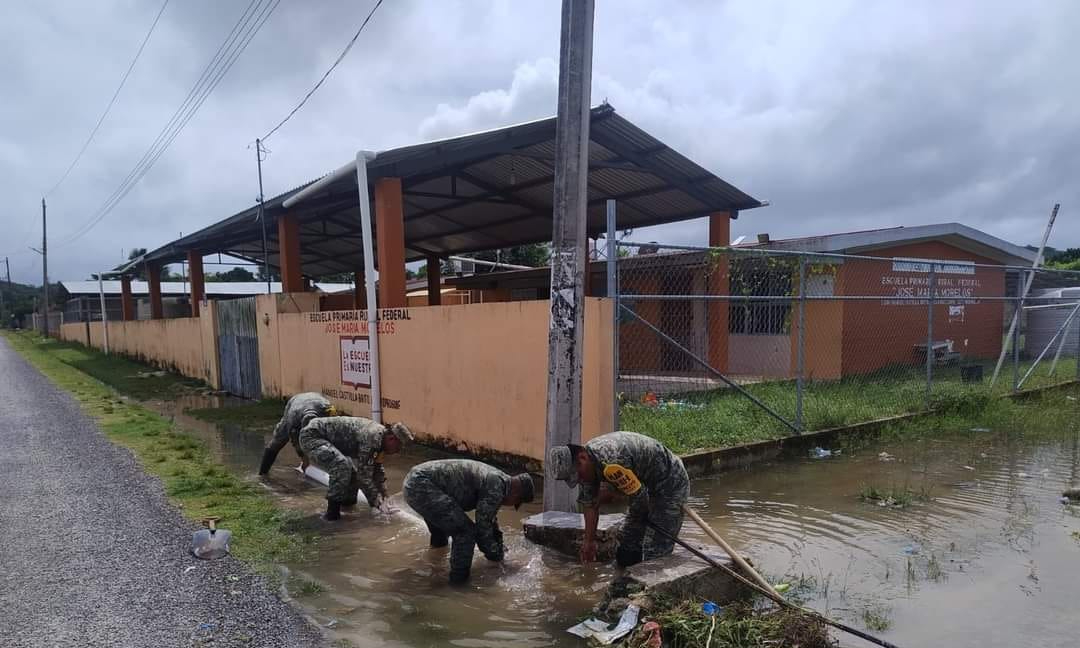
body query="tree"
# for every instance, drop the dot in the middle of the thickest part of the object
(235, 274)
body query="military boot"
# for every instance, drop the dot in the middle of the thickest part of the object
(333, 511)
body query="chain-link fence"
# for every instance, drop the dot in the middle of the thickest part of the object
(725, 345)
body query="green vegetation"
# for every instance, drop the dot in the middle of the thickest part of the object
(684, 625)
(308, 588)
(256, 415)
(877, 618)
(200, 487)
(894, 496)
(722, 418)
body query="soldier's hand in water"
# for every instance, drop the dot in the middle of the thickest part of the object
(588, 551)
(385, 508)
(496, 553)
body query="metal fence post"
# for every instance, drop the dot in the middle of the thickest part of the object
(930, 333)
(1016, 343)
(613, 293)
(800, 367)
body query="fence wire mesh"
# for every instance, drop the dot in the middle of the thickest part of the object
(726, 345)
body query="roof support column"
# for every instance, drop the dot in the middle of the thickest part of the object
(719, 277)
(292, 279)
(127, 303)
(359, 296)
(434, 280)
(390, 236)
(153, 279)
(198, 286)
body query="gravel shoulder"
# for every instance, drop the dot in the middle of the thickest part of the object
(93, 554)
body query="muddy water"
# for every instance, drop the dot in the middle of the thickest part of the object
(988, 560)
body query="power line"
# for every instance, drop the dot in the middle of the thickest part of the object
(243, 32)
(340, 57)
(112, 101)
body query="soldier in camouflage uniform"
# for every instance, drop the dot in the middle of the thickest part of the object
(442, 491)
(299, 411)
(350, 450)
(642, 469)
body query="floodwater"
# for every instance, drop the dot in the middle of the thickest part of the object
(988, 560)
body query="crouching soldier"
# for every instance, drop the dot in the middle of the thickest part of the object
(442, 491)
(639, 467)
(350, 449)
(299, 411)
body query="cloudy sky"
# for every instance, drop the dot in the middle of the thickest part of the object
(844, 115)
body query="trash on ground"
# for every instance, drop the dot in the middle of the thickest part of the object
(1023, 475)
(680, 405)
(211, 543)
(653, 636)
(188, 569)
(1071, 397)
(911, 550)
(980, 429)
(598, 630)
(968, 468)
(820, 453)
(711, 609)
(782, 588)
(150, 374)
(885, 456)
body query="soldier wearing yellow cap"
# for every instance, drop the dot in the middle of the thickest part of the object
(642, 469)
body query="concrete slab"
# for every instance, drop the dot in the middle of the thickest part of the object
(680, 575)
(563, 532)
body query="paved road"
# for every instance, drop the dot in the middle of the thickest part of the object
(92, 553)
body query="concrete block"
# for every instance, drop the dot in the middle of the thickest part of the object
(680, 575)
(563, 532)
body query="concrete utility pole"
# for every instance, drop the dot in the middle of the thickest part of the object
(568, 239)
(44, 252)
(262, 216)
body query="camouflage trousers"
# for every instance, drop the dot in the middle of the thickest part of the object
(343, 479)
(661, 506)
(445, 519)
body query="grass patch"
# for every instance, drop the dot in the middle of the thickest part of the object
(877, 618)
(894, 496)
(308, 588)
(197, 485)
(258, 415)
(684, 625)
(126, 376)
(722, 418)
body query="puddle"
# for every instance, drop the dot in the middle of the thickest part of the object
(988, 560)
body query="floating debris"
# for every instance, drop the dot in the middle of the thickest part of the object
(599, 630)
(968, 468)
(885, 456)
(820, 453)
(980, 429)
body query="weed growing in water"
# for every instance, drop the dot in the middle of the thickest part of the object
(895, 496)
(309, 588)
(934, 571)
(877, 618)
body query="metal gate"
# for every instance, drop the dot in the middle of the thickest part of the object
(238, 347)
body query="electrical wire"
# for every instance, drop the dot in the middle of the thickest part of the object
(340, 57)
(243, 32)
(112, 101)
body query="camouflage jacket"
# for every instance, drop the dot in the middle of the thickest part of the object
(361, 440)
(300, 410)
(636, 465)
(473, 485)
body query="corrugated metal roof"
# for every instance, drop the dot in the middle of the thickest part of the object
(479, 192)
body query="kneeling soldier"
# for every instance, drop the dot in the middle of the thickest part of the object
(442, 491)
(642, 469)
(335, 443)
(299, 411)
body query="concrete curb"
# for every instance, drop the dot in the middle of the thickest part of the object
(705, 462)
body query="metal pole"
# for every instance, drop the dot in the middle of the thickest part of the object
(44, 269)
(708, 367)
(262, 220)
(930, 332)
(7, 265)
(613, 294)
(1077, 356)
(1016, 340)
(362, 158)
(104, 313)
(1024, 292)
(800, 367)
(563, 421)
(1061, 345)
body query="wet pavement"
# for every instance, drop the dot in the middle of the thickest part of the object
(985, 561)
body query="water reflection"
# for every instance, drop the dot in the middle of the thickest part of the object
(986, 561)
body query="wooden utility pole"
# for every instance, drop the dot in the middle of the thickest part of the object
(568, 239)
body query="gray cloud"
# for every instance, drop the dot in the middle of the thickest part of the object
(845, 115)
